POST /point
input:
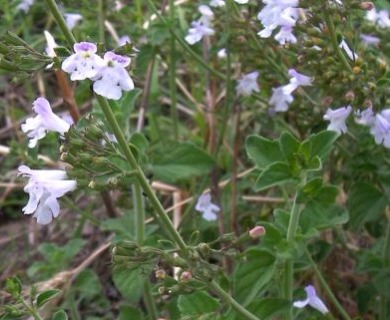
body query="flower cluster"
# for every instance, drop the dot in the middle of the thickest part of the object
(281, 14)
(282, 96)
(44, 186)
(109, 74)
(381, 18)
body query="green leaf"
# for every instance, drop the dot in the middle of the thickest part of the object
(251, 277)
(87, 284)
(13, 286)
(365, 203)
(60, 315)
(268, 307)
(127, 312)
(382, 283)
(262, 151)
(322, 142)
(183, 161)
(130, 283)
(289, 145)
(315, 190)
(274, 175)
(46, 296)
(197, 303)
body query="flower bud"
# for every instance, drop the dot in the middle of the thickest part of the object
(327, 101)
(257, 232)
(350, 96)
(366, 5)
(160, 274)
(186, 276)
(92, 185)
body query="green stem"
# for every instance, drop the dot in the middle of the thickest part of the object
(244, 314)
(386, 259)
(327, 289)
(289, 263)
(172, 74)
(123, 144)
(101, 21)
(183, 44)
(333, 38)
(61, 22)
(31, 310)
(139, 214)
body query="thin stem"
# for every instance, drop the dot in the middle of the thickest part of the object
(139, 213)
(101, 21)
(31, 310)
(61, 22)
(162, 215)
(333, 38)
(172, 74)
(183, 44)
(149, 301)
(289, 264)
(244, 314)
(327, 289)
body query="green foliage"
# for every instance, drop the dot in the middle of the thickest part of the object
(197, 304)
(46, 296)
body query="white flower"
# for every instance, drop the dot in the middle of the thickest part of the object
(383, 19)
(222, 54)
(242, 1)
(44, 188)
(337, 119)
(350, 53)
(84, 63)
(51, 44)
(372, 15)
(25, 5)
(207, 14)
(209, 209)
(71, 19)
(217, 3)
(113, 78)
(366, 117)
(311, 300)
(248, 84)
(280, 99)
(44, 121)
(381, 128)
(297, 79)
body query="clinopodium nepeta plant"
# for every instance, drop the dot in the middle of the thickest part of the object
(235, 154)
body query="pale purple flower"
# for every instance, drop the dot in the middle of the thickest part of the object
(84, 63)
(350, 53)
(45, 120)
(366, 117)
(113, 78)
(297, 79)
(285, 35)
(312, 300)
(197, 32)
(383, 19)
(71, 19)
(202, 27)
(123, 40)
(217, 3)
(279, 13)
(280, 99)
(248, 84)
(337, 119)
(44, 188)
(25, 5)
(370, 40)
(205, 206)
(381, 128)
